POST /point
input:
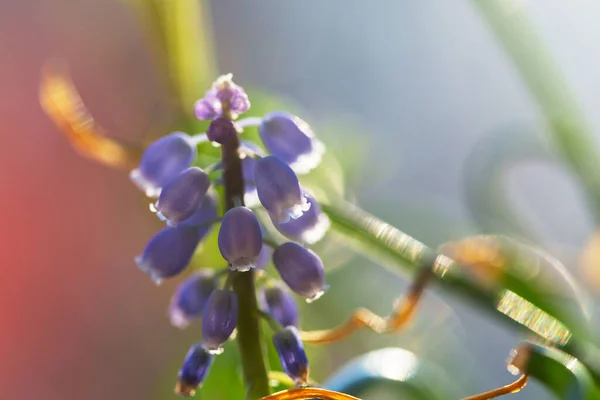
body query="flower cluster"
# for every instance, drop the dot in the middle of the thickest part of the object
(186, 199)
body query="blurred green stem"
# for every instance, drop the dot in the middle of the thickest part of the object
(181, 33)
(549, 89)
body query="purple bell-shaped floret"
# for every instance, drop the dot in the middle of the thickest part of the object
(291, 354)
(279, 190)
(168, 253)
(240, 238)
(277, 301)
(195, 367)
(301, 269)
(219, 319)
(182, 196)
(290, 139)
(309, 228)
(162, 161)
(190, 297)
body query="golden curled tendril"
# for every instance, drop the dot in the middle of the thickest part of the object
(404, 310)
(61, 101)
(309, 393)
(514, 387)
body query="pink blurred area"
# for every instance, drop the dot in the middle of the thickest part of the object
(78, 319)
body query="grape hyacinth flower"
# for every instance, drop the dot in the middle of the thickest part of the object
(250, 195)
(290, 139)
(291, 354)
(190, 298)
(168, 253)
(162, 161)
(279, 190)
(240, 239)
(309, 228)
(264, 257)
(219, 319)
(279, 303)
(182, 196)
(301, 269)
(195, 366)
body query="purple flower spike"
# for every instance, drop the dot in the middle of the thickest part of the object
(240, 239)
(279, 190)
(219, 319)
(196, 365)
(221, 130)
(182, 197)
(301, 269)
(190, 298)
(291, 140)
(291, 354)
(309, 228)
(280, 304)
(168, 253)
(162, 161)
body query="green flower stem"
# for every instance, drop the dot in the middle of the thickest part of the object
(548, 87)
(389, 246)
(248, 326)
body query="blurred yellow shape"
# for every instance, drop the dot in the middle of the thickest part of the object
(403, 311)
(527, 314)
(61, 101)
(590, 262)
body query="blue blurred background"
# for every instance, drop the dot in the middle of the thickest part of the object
(415, 86)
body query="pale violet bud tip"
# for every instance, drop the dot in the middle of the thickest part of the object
(230, 95)
(219, 319)
(279, 190)
(221, 130)
(182, 197)
(195, 367)
(162, 161)
(301, 269)
(240, 238)
(290, 139)
(168, 253)
(207, 108)
(309, 228)
(291, 354)
(190, 298)
(278, 302)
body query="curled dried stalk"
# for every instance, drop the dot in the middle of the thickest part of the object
(514, 387)
(404, 310)
(61, 101)
(309, 393)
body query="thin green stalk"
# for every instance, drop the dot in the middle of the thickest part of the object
(548, 87)
(248, 325)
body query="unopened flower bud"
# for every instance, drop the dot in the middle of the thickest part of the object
(291, 354)
(309, 228)
(162, 161)
(301, 269)
(290, 139)
(168, 252)
(195, 366)
(190, 297)
(279, 190)
(278, 302)
(219, 319)
(182, 196)
(240, 238)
